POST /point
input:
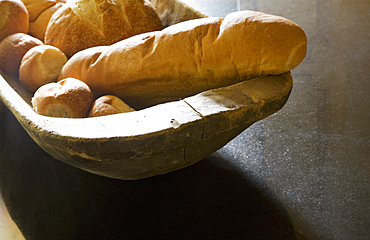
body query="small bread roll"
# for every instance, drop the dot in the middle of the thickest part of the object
(40, 12)
(68, 98)
(40, 65)
(81, 24)
(108, 105)
(12, 50)
(14, 18)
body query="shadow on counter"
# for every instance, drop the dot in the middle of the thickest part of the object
(213, 199)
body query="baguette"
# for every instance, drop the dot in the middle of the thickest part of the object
(190, 57)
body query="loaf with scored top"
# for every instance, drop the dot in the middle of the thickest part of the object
(80, 24)
(190, 57)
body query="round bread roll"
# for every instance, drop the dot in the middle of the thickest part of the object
(12, 50)
(67, 98)
(108, 105)
(37, 28)
(14, 18)
(81, 24)
(40, 65)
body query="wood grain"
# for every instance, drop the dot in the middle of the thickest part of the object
(156, 140)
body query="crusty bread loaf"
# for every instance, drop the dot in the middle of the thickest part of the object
(81, 24)
(12, 50)
(36, 7)
(40, 65)
(14, 18)
(175, 11)
(68, 98)
(40, 12)
(190, 57)
(108, 105)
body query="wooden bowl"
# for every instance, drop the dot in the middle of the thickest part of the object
(152, 141)
(156, 140)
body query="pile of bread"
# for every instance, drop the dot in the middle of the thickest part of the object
(88, 58)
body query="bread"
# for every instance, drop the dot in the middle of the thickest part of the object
(12, 50)
(68, 98)
(40, 12)
(175, 11)
(81, 24)
(40, 65)
(36, 7)
(108, 105)
(190, 57)
(14, 18)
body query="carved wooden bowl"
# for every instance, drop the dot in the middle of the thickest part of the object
(152, 141)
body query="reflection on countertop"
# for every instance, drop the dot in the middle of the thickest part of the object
(314, 153)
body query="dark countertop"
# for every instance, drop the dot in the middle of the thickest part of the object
(302, 173)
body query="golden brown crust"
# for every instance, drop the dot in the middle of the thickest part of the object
(175, 11)
(190, 57)
(36, 7)
(108, 105)
(14, 18)
(68, 98)
(40, 65)
(12, 50)
(81, 24)
(37, 28)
